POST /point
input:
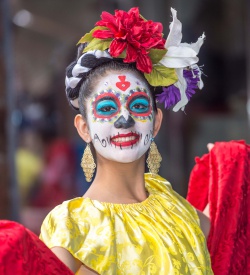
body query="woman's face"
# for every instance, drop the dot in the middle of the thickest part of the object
(120, 117)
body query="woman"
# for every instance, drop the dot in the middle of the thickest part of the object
(128, 222)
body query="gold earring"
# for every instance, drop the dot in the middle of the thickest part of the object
(88, 164)
(154, 158)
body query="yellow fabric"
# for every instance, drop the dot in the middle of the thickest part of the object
(160, 235)
(29, 167)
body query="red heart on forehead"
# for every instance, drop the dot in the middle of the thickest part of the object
(122, 85)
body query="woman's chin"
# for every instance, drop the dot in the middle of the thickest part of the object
(123, 156)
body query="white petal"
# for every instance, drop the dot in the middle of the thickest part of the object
(178, 62)
(181, 84)
(197, 45)
(181, 52)
(179, 57)
(200, 84)
(175, 34)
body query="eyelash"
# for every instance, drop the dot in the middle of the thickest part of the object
(106, 107)
(141, 103)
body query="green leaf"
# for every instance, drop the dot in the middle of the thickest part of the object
(123, 54)
(88, 37)
(161, 76)
(98, 44)
(156, 55)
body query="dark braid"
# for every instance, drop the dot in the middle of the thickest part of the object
(89, 61)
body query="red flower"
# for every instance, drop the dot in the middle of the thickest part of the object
(132, 33)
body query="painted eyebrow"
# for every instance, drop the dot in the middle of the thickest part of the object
(141, 96)
(106, 98)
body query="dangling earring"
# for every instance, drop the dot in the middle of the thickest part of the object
(88, 164)
(154, 158)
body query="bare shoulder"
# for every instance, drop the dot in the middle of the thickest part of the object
(204, 223)
(71, 262)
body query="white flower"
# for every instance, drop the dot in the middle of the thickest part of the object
(180, 56)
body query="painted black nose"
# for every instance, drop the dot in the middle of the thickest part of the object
(121, 122)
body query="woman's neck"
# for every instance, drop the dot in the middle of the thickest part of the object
(118, 182)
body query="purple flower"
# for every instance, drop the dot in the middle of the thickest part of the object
(192, 79)
(170, 96)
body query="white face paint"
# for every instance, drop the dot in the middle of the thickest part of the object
(120, 117)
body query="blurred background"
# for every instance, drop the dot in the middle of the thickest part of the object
(40, 151)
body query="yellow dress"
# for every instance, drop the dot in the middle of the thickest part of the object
(160, 235)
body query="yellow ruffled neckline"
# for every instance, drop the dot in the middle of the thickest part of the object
(111, 204)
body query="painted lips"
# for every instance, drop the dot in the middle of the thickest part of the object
(125, 139)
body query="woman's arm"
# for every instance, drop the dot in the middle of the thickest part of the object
(72, 263)
(204, 223)
(67, 258)
(204, 216)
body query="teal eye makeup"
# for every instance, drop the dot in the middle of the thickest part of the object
(106, 107)
(139, 105)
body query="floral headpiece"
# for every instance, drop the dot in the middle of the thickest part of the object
(168, 63)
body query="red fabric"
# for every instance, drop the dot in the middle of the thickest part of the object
(22, 253)
(222, 179)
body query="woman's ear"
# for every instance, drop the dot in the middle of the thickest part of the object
(158, 120)
(82, 128)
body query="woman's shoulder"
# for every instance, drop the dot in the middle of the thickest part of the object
(156, 183)
(67, 209)
(63, 221)
(67, 225)
(161, 187)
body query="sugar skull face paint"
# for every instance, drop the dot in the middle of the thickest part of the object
(120, 117)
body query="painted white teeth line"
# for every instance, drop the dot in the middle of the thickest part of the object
(124, 139)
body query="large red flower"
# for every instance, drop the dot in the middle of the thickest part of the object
(132, 33)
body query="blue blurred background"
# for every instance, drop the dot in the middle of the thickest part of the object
(40, 151)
